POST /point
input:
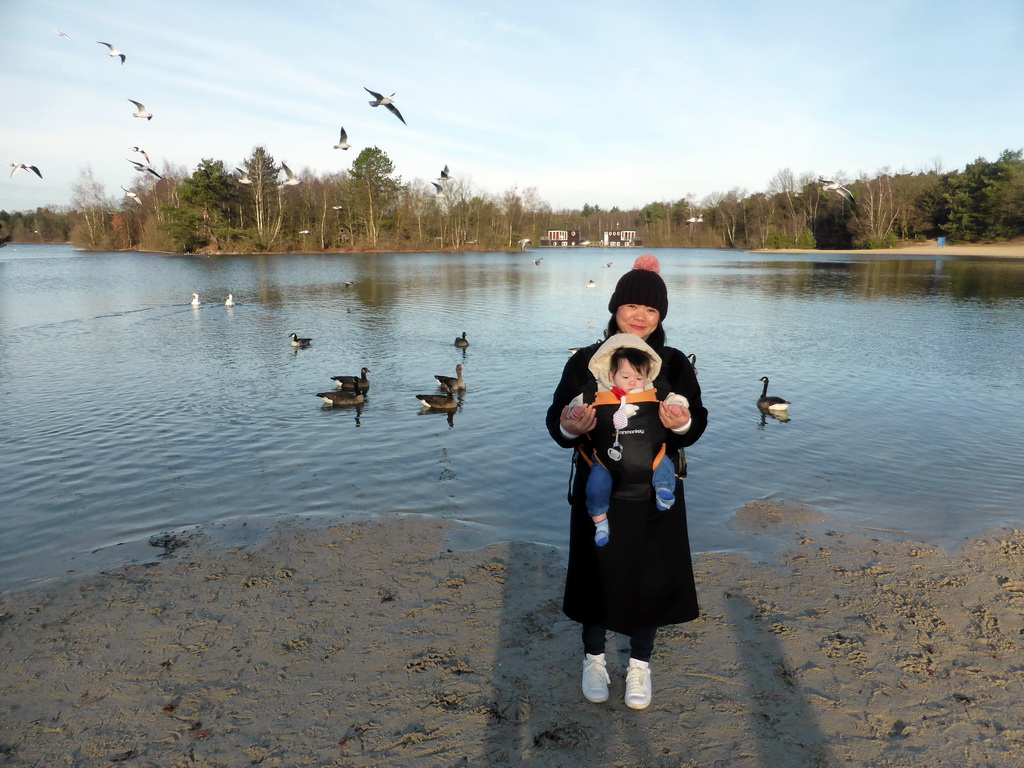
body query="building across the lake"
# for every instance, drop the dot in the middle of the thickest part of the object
(561, 238)
(622, 238)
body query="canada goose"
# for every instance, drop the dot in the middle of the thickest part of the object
(342, 397)
(297, 342)
(454, 384)
(461, 341)
(195, 300)
(771, 403)
(693, 363)
(230, 302)
(353, 382)
(439, 402)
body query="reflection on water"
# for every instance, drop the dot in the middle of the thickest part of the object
(127, 413)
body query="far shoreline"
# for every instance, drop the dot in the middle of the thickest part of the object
(1013, 249)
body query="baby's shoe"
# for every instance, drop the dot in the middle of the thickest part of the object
(665, 498)
(601, 532)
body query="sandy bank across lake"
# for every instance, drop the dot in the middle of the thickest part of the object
(1009, 250)
(374, 644)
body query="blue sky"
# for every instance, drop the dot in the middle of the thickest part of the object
(586, 102)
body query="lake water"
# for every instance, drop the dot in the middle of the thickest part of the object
(125, 413)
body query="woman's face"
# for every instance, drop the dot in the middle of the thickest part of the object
(637, 319)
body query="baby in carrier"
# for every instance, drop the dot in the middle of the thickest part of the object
(619, 452)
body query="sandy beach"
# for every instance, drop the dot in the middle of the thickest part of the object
(375, 644)
(1013, 249)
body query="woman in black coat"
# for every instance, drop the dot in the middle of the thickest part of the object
(643, 578)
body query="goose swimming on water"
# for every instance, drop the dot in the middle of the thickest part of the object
(455, 384)
(195, 300)
(230, 302)
(439, 402)
(297, 342)
(359, 382)
(771, 403)
(461, 341)
(342, 397)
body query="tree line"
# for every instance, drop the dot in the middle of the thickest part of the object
(248, 209)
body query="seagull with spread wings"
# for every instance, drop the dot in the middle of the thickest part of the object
(143, 168)
(113, 51)
(291, 181)
(834, 186)
(132, 195)
(386, 101)
(140, 110)
(342, 140)
(18, 166)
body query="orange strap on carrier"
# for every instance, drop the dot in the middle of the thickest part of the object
(609, 398)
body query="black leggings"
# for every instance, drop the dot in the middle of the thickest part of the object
(641, 642)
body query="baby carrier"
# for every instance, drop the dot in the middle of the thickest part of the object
(638, 446)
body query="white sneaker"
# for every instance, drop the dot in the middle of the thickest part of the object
(638, 684)
(595, 679)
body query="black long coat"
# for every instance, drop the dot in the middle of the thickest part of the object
(643, 577)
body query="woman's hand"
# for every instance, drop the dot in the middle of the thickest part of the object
(579, 420)
(673, 416)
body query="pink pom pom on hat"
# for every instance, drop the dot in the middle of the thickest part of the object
(641, 285)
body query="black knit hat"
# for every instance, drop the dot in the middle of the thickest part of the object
(641, 285)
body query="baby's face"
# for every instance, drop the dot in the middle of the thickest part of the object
(627, 377)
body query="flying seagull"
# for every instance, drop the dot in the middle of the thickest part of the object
(113, 50)
(698, 219)
(291, 181)
(835, 186)
(141, 151)
(140, 110)
(18, 166)
(244, 178)
(342, 140)
(142, 168)
(63, 34)
(386, 101)
(132, 195)
(444, 175)
(439, 189)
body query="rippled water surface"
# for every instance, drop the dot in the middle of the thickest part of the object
(125, 413)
